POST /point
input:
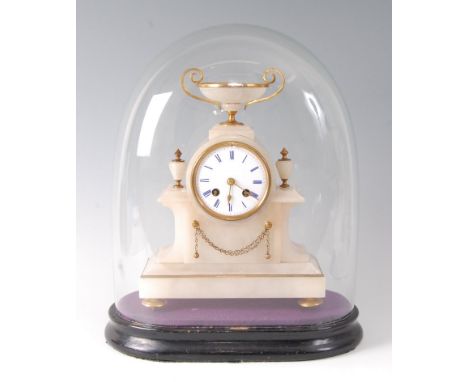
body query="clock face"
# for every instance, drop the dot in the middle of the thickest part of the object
(231, 180)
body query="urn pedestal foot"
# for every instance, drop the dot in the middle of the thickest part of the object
(310, 302)
(153, 302)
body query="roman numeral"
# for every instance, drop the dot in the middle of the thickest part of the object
(231, 154)
(257, 182)
(207, 193)
(204, 180)
(255, 168)
(253, 194)
(216, 203)
(218, 157)
(230, 207)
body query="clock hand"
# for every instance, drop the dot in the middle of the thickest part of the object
(230, 181)
(245, 191)
(229, 197)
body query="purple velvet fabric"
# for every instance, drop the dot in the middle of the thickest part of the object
(233, 312)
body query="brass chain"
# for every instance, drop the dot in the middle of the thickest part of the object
(265, 234)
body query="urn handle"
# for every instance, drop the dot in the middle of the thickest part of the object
(269, 77)
(196, 75)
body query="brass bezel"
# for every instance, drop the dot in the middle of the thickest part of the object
(230, 143)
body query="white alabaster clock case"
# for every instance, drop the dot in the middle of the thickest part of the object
(235, 206)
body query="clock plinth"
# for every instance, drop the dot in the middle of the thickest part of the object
(217, 281)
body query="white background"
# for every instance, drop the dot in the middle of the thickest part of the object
(40, 338)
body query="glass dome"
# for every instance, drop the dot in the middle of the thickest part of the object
(316, 213)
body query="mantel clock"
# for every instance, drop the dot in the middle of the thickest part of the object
(235, 207)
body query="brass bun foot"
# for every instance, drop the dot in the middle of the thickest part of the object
(310, 302)
(153, 302)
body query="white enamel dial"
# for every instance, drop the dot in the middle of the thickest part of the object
(231, 180)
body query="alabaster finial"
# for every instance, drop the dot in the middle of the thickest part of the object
(177, 168)
(284, 166)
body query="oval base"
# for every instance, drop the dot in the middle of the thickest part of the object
(235, 343)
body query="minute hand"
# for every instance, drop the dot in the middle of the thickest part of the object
(250, 193)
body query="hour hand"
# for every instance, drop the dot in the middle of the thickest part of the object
(230, 181)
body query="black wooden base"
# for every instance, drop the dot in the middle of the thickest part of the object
(233, 344)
